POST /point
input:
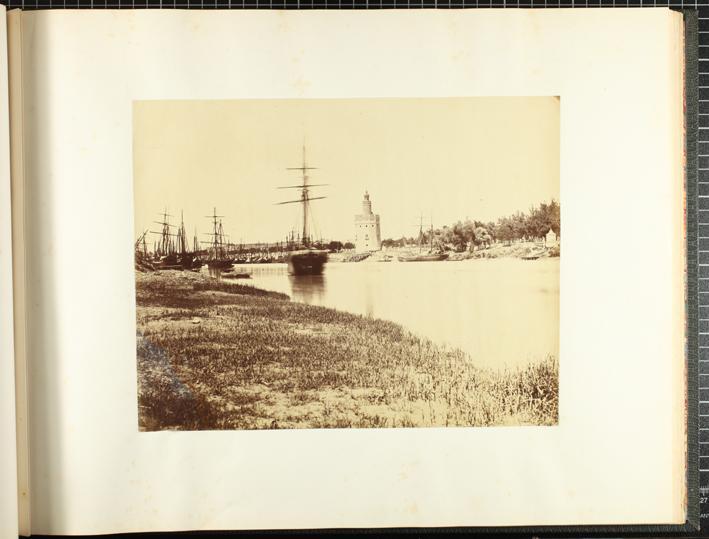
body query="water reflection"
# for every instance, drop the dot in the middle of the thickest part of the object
(307, 288)
(501, 311)
(216, 273)
(229, 273)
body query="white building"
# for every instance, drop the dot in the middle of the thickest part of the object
(367, 234)
(551, 237)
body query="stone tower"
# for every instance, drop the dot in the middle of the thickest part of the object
(367, 234)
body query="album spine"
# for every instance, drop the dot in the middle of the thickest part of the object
(17, 143)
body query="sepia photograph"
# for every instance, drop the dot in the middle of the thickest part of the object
(347, 263)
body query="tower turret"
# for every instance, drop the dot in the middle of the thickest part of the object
(366, 204)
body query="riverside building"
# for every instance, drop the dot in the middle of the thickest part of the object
(367, 234)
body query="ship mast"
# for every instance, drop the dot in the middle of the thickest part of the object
(218, 230)
(431, 239)
(420, 232)
(166, 246)
(221, 239)
(182, 235)
(305, 197)
(140, 243)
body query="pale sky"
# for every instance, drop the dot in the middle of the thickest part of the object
(445, 158)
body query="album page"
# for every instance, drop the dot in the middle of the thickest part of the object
(368, 269)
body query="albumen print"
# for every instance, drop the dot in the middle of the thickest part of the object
(347, 263)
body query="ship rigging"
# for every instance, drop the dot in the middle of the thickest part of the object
(305, 260)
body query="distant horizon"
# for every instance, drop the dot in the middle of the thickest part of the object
(450, 159)
(412, 235)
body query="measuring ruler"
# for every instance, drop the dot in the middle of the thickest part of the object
(702, 205)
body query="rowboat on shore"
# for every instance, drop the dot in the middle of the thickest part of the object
(423, 257)
(237, 275)
(534, 255)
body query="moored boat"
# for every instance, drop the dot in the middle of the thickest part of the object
(534, 255)
(171, 251)
(430, 256)
(423, 257)
(305, 260)
(220, 263)
(169, 262)
(166, 257)
(218, 257)
(237, 275)
(191, 262)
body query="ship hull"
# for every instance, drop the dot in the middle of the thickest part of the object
(190, 262)
(220, 264)
(310, 262)
(433, 257)
(169, 262)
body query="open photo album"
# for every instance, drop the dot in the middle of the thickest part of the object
(300, 270)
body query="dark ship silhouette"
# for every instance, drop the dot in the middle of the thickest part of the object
(304, 259)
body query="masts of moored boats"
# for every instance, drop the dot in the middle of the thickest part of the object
(420, 232)
(172, 251)
(217, 232)
(421, 235)
(182, 235)
(431, 237)
(219, 250)
(431, 255)
(166, 245)
(142, 260)
(140, 245)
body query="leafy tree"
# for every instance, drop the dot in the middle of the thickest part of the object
(462, 235)
(506, 229)
(335, 246)
(555, 216)
(482, 237)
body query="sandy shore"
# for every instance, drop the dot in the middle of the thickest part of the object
(224, 355)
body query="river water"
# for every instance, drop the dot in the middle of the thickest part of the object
(503, 312)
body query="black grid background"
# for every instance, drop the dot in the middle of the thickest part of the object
(701, 5)
(698, 208)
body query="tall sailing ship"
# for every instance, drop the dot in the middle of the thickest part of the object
(165, 251)
(218, 257)
(304, 259)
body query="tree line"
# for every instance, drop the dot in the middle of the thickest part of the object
(470, 233)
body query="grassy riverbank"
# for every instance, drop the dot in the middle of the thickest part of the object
(518, 249)
(218, 355)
